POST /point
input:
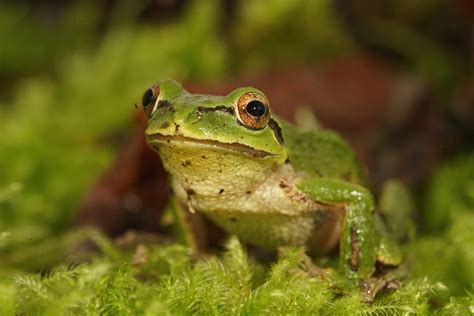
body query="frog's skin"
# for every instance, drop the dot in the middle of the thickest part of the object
(261, 178)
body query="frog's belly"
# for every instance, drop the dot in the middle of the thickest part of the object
(269, 214)
(267, 231)
(318, 230)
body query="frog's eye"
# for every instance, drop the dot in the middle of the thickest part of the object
(150, 100)
(253, 110)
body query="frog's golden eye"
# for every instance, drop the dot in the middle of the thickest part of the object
(253, 110)
(150, 100)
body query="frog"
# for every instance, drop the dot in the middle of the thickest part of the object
(234, 162)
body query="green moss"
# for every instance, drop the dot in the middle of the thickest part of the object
(212, 286)
(459, 306)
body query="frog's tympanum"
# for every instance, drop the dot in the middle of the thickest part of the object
(261, 178)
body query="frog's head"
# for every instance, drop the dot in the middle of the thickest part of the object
(239, 124)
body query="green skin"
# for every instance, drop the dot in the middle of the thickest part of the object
(271, 187)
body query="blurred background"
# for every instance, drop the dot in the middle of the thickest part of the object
(395, 77)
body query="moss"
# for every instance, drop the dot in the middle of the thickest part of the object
(213, 286)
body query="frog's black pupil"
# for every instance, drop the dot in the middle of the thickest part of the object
(147, 97)
(255, 108)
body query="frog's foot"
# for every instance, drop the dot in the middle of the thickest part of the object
(338, 283)
(388, 272)
(306, 266)
(133, 238)
(314, 270)
(141, 256)
(385, 278)
(372, 286)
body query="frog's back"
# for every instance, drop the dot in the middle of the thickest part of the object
(322, 154)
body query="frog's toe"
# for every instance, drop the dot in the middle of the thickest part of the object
(372, 286)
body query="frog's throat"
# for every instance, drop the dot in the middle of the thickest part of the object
(208, 142)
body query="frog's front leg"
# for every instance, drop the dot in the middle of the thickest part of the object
(193, 229)
(357, 244)
(190, 227)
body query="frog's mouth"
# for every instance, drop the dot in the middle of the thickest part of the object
(229, 146)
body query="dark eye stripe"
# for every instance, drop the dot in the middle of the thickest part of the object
(276, 129)
(223, 108)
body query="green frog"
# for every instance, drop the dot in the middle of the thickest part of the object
(263, 179)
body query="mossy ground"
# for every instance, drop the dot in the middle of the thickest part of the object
(170, 282)
(52, 130)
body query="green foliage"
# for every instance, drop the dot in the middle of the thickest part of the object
(447, 257)
(51, 132)
(35, 44)
(446, 253)
(38, 251)
(7, 299)
(288, 31)
(451, 193)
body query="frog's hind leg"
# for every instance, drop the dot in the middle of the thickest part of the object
(357, 243)
(394, 223)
